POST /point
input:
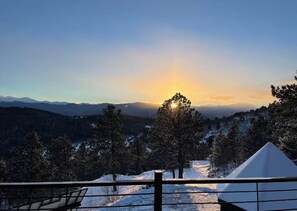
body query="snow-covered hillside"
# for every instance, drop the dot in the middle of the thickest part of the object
(199, 169)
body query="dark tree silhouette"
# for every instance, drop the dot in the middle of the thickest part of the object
(219, 158)
(257, 136)
(60, 156)
(28, 164)
(176, 132)
(284, 117)
(108, 140)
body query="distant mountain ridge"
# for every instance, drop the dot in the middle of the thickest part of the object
(72, 109)
(27, 100)
(133, 109)
(212, 112)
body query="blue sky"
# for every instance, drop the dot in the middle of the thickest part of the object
(214, 52)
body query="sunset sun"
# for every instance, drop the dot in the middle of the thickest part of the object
(173, 105)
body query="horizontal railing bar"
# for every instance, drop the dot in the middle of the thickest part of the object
(229, 202)
(277, 200)
(79, 208)
(120, 194)
(164, 204)
(145, 182)
(117, 206)
(214, 192)
(228, 180)
(86, 196)
(75, 184)
(188, 203)
(274, 190)
(210, 202)
(238, 191)
(283, 209)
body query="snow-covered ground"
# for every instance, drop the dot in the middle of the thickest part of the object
(199, 169)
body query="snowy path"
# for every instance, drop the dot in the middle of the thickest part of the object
(199, 170)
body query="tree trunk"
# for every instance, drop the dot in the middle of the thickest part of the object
(180, 171)
(180, 161)
(173, 173)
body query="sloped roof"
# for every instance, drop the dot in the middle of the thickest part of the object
(269, 161)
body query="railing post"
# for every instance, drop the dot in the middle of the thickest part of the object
(158, 191)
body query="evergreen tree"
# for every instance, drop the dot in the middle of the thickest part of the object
(138, 152)
(96, 165)
(60, 156)
(108, 140)
(286, 94)
(233, 145)
(176, 132)
(163, 150)
(28, 164)
(82, 163)
(226, 149)
(284, 117)
(257, 136)
(219, 156)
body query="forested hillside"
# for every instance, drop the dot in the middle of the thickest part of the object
(15, 123)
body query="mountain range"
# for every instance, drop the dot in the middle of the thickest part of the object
(134, 109)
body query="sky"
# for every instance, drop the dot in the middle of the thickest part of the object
(93, 51)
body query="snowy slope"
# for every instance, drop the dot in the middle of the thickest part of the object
(199, 170)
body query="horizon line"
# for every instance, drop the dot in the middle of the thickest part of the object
(126, 102)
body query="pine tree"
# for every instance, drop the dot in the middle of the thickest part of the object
(257, 136)
(219, 156)
(108, 140)
(226, 149)
(284, 117)
(28, 164)
(233, 145)
(176, 132)
(138, 154)
(162, 151)
(82, 163)
(60, 156)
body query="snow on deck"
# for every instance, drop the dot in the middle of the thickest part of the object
(198, 170)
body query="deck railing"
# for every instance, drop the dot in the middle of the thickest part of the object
(151, 194)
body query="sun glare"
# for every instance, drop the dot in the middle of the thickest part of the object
(173, 105)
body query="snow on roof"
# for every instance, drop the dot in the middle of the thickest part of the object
(269, 161)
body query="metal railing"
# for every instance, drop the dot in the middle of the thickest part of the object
(260, 193)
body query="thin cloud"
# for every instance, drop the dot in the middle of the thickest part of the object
(261, 95)
(222, 98)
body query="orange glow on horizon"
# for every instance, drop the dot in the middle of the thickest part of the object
(159, 83)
